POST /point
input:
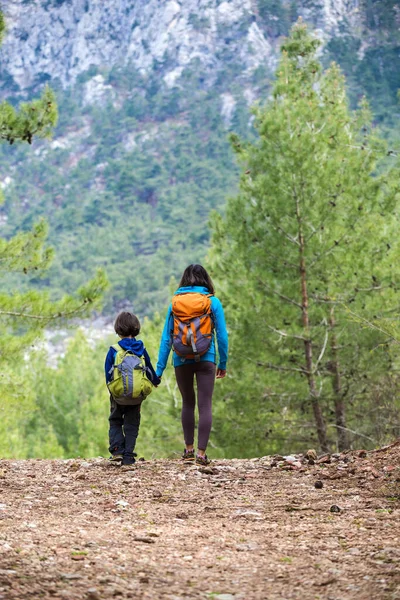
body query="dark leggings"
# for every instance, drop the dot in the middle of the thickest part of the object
(205, 378)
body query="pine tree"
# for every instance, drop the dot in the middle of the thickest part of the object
(311, 231)
(24, 315)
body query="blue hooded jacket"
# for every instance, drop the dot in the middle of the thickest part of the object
(137, 347)
(211, 354)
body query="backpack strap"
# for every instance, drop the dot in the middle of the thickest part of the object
(211, 310)
(117, 349)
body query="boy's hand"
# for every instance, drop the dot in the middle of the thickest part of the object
(220, 373)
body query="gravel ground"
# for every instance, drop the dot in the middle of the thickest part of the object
(298, 527)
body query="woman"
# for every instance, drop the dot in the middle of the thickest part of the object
(195, 353)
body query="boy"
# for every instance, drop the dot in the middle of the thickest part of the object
(125, 420)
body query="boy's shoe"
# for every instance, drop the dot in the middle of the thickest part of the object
(202, 460)
(129, 458)
(188, 455)
(116, 458)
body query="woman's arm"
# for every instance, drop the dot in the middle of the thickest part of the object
(221, 331)
(165, 343)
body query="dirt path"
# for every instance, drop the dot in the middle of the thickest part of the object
(244, 530)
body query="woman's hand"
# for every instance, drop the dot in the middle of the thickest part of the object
(220, 373)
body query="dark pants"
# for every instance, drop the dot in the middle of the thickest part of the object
(124, 429)
(205, 378)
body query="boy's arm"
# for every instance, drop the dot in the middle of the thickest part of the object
(152, 374)
(221, 331)
(165, 343)
(109, 364)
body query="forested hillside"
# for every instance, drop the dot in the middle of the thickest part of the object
(140, 155)
(159, 160)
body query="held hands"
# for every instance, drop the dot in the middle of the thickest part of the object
(220, 373)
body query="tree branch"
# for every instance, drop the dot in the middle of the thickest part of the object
(288, 236)
(371, 289)
(328, 250)
(352, 431)
(279, 368)
(368, 323)
(322, 351)
(288, 335)
(282, 296)
(58, 315)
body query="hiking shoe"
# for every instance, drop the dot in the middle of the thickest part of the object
(116, 458)
(202, 460)
(188, 454)
(129, 458)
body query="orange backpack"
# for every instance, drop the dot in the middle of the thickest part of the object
(193, 324)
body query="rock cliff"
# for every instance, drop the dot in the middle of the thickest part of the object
(61, 39)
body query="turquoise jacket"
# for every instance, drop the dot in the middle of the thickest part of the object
(211, 354)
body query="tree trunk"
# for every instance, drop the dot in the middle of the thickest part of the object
(318, 416)
(340, 413)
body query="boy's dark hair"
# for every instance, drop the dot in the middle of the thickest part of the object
(127, 324)
(197, 275)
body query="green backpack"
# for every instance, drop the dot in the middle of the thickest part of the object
(129, 385)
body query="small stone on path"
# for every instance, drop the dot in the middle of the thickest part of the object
(207, 470)
(311, 454)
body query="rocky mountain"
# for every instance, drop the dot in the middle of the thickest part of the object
(61, 39)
